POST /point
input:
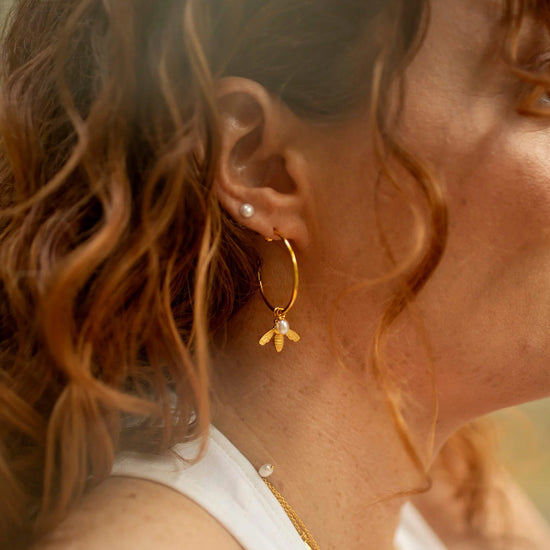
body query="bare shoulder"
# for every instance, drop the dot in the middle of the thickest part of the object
(134, 514)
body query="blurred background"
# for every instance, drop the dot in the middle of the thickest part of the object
(4, 5)
(523, 444)
(522, 433)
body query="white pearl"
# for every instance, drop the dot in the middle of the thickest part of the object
(247, 211)
(282, 326)
(266, 470)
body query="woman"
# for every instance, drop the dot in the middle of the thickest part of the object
(321, 227)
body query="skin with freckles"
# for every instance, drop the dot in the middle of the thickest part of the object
(494, 276)
(318, 416)
(485, 309)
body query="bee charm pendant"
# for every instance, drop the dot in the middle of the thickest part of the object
(281, 328)
(278, 333)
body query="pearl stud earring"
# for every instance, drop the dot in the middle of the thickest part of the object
(247, 211)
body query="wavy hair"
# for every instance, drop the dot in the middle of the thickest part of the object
(116, 261)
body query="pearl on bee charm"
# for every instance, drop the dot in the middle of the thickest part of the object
(280, 329)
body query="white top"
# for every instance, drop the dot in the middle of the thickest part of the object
(228, 487)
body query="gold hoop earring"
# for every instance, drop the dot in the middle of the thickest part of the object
(281, 328)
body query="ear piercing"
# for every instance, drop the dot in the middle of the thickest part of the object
(247, 211)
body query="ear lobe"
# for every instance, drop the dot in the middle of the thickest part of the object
(254, 164)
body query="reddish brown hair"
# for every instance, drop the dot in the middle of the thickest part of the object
(116, 261)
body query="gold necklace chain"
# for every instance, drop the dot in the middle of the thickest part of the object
(299, 525)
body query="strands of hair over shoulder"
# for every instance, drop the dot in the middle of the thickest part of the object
(116, 261)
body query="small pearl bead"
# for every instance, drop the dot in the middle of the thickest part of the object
(247, 211)
(282, 326)
(266, 470)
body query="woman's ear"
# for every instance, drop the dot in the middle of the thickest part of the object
(260, 181)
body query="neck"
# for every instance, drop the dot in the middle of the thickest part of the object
(337, 457)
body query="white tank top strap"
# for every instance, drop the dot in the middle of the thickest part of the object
(226, 485)
(414, 533)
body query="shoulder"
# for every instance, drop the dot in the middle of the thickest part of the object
(133, 514)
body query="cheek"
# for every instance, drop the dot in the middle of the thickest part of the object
(499, 194)
(499, 244)
(495, 166)
(487, 305)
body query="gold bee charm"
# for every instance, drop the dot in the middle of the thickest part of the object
(278, 333)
